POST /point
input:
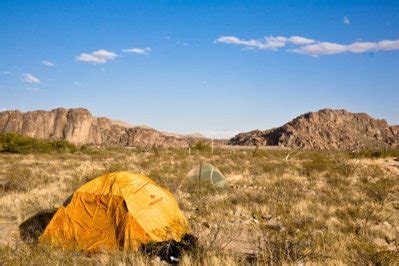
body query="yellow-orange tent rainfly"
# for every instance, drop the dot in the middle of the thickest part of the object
(119, 210)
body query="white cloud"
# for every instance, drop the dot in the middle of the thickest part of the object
(300, 40)
(76, 83)
(48, 63)
(320, 48)
(97, 57)
(29, 78)
(346, 20)
(309, 46)
(143, 51)
(328, 48)
(5, 73)
(268, 43)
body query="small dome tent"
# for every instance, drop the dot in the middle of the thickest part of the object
(206, 172)
(116, 211)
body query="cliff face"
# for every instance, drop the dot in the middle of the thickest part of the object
(78, 126)
(325, 129)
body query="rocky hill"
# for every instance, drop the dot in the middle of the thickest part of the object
(78, 126)
(325, 129)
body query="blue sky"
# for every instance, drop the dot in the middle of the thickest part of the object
(215, 67)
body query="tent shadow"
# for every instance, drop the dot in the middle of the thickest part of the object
(31, 229)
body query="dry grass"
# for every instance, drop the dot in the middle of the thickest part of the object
(319, 207)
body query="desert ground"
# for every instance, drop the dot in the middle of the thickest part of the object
(278, 206)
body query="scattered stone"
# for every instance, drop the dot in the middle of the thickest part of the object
(385, 231)
(206, 224)
(395, 205)
(266, 217)
(274, 224)
(380, 242)
(3, 182)
(387, 224)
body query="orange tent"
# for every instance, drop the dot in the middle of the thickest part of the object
(119, 210)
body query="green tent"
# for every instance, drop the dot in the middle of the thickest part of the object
(206, 172)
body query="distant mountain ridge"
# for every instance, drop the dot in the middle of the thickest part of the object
(325, 129)
(78, 126)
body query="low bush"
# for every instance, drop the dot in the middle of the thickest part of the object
(319, 162)
(19, 179)
(375, 153)
(380, 190)
(363, 252)
(201, 146)
(16, 143)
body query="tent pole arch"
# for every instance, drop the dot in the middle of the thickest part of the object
(211, 175)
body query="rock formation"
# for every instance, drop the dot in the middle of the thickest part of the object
(78, 126)
(325, 129)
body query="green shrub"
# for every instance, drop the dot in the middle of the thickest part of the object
(201, 146)
(319, 162)
(379, 191)
(363, 252)
(19, 179)
(15, 143)
(375, 153)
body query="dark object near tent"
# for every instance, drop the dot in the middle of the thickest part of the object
(206, 172)
(171, 251)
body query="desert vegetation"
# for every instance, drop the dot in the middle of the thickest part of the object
(16, 143)
(278, 206)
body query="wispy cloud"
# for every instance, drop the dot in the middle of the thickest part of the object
(76, 83)
(346, 20)
(268, 43)
(97, 57)
(140, 51)
(48, 63)
(310, 46)
(29, 78)
(5, 73)
(300, 40)
(328, 48)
